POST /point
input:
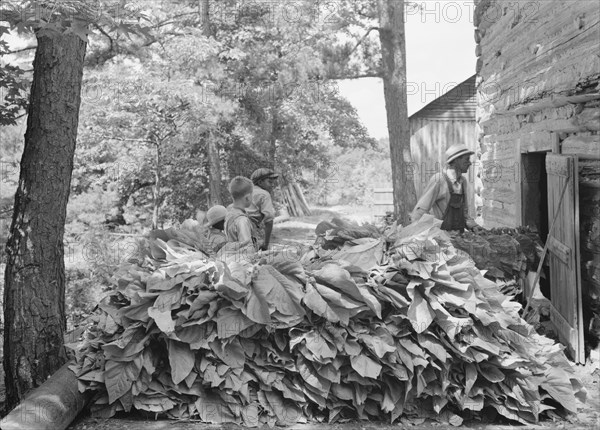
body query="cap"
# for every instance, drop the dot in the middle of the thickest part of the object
(457, 150)
(262, 173)
(215, 214)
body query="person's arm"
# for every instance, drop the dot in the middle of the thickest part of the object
(268, 230)
(429, 197)
(264, 203)
(470, 222)
(268, 212)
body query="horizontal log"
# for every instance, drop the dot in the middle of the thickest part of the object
(504, 180)
(502, 195)
(529, 81)
(523, 89)
(526, 20)
(51, 406)
(552, 102)
(491, 159)
(589, 118)
(497, 218)
(564, 118)
(582, 146)
(537, 141)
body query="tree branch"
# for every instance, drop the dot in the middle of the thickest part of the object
(172, 20)
(358, 76)
(362, 39)
(110, 39)
(124, 139)
(27, 48)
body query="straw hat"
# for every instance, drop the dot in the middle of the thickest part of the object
(457, 150)
(215, 214)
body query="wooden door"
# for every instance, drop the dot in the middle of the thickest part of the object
(563, 253)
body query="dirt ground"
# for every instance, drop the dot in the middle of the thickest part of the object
(301, 231)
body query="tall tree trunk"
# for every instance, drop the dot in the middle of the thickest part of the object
(272, 151)
(214, 164)
(34, 289)
(156, 200)
(214, 161)
(393, 52)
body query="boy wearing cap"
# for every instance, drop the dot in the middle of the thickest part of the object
(445, 196)
(238, 227)
(215, 221)
(262, 212)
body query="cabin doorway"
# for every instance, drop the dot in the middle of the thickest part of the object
(534, 204)
(549, 194)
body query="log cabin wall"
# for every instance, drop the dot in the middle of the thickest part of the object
(447, 120)
(538, 90)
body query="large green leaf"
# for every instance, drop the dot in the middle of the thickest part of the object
(119, 376)
(313, 300)
(181, 360)
(365, 366)
(419, 312)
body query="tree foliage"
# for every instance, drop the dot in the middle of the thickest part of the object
(253, 87)
(13, 87)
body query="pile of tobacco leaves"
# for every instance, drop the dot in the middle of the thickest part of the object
(374, 331)
(503, 253)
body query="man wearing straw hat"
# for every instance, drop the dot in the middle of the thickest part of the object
(445, 196)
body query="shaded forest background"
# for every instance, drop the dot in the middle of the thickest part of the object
(177, 100)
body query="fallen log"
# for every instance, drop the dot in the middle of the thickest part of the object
(51, 406)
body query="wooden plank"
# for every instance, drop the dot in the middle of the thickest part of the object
(518, 188)
(565, 276)
(566, 334)
(560, 250)
(577, 261)
(582, 146)
(556, 166)
(555, 143)
(536, 141)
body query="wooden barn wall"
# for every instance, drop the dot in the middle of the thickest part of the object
(428, 143)
(459, 103)
(538, 86)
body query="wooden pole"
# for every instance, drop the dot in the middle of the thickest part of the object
(543, 257)
(51, 406)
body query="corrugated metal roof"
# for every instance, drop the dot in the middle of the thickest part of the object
(458, 103)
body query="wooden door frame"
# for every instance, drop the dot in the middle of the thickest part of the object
(549, 142)
(536, 142)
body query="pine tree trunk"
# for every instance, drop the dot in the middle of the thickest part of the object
(34, 290)
(272, 152)
(156, 200)
(393, 52)
(214, 161)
